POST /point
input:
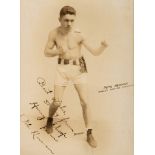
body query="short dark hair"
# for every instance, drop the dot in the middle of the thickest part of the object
(67, 10)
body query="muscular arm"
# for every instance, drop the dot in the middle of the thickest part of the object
(49, 48)
(97, 51)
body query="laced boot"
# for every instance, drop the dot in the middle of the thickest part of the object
(49, 125)
(90, 139)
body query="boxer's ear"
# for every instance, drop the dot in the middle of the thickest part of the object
(59, 19)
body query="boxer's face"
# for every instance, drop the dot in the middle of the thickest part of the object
(67, 21)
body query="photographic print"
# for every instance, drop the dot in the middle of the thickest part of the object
(76, 77)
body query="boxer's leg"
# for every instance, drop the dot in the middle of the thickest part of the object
(58, 94)
(83, 95)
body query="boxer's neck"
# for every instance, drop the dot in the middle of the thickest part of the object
(65, 31)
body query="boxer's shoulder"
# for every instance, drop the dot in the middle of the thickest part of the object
(53, 32)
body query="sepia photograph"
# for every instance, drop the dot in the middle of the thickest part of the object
(77, 80)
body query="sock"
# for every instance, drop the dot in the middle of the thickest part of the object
(49, 121)
(50, 118)
(89, 131)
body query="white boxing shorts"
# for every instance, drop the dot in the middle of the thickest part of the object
(69, 74)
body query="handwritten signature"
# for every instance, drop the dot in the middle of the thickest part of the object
(58, 125)
(115, 87)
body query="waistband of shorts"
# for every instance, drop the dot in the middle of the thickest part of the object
(70, 61)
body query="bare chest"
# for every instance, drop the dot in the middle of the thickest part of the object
(68, 42)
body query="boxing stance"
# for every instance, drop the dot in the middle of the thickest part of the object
(65, 42)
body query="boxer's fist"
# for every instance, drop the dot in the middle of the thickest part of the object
(103, 43)
(61, 50)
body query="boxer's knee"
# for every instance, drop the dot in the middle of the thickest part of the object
(57, 102)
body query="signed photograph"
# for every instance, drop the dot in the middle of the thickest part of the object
(76, 77)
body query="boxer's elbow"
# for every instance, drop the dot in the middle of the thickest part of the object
(95, 53)
(47, 53)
